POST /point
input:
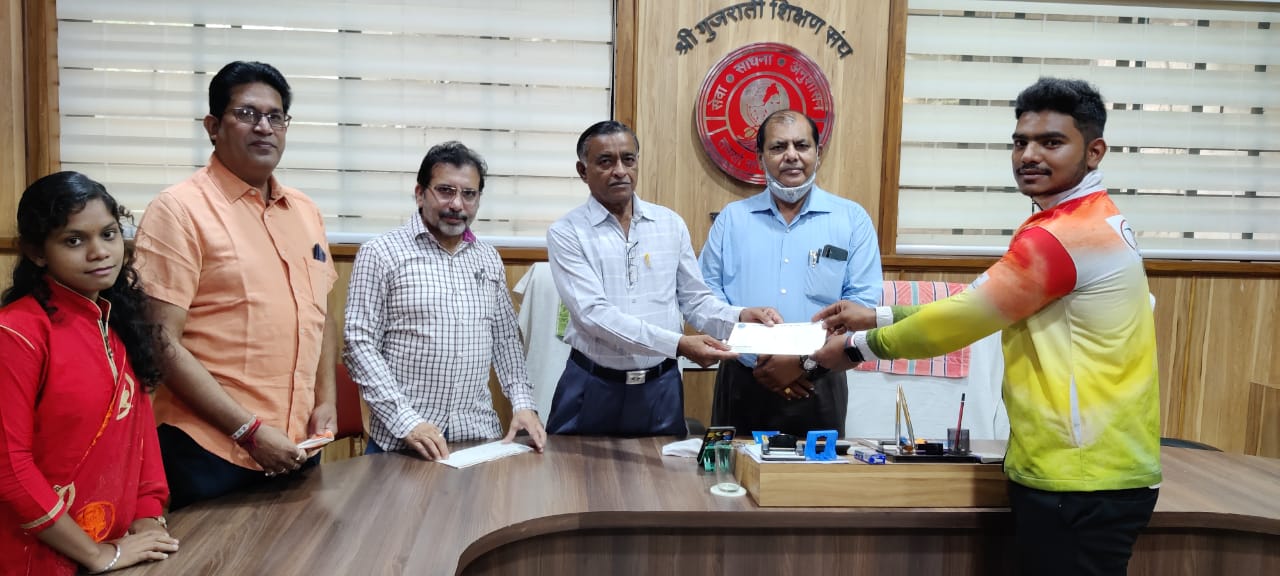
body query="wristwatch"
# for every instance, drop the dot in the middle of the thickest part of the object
(812, 369)
(851, 350)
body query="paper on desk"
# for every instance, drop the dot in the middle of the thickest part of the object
(753, 450)
(683, 448)
(789, 339)
(483, 453)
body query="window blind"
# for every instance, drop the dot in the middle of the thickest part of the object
(1193, 124)
(375, 85)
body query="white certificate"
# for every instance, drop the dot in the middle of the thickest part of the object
(789, 339)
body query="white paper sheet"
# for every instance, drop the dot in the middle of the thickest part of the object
(483, 453)
(753, 450)
(790, 339)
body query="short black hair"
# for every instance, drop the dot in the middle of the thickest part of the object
(452, 152)
(1075, 98)
(239, 73)
(777, 116)
(604, 128)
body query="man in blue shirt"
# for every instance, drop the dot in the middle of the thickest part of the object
(797, 248)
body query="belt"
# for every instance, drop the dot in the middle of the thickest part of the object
(623, 376)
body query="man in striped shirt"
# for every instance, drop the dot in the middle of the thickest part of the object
(626, 273)
(428, 312)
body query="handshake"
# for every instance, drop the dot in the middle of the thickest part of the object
(841, 320)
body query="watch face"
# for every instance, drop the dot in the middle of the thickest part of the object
(810, 363)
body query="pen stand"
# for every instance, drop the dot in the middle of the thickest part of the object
(958, 441)
(828, 438)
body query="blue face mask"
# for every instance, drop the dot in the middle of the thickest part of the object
(790, 195)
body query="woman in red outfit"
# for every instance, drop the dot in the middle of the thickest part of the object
(81, 481)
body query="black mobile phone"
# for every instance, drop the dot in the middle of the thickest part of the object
(714, 434)
(835, 253)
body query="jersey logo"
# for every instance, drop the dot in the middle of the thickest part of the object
(1122, 227)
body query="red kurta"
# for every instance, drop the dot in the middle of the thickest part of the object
(77, 435)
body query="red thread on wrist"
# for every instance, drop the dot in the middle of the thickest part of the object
(247, 441)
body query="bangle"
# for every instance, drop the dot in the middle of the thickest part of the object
(243, 429)
(246, 440)
(112, 563)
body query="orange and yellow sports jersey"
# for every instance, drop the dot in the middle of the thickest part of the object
(1080, 380)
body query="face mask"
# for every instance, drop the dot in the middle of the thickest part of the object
(790, 195)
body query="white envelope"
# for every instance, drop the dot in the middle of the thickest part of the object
(788, 339)
(483, 453)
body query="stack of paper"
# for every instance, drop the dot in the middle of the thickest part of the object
(483, 453)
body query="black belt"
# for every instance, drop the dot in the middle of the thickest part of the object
(622, 376)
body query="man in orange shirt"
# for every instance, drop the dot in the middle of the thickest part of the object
(239, 267)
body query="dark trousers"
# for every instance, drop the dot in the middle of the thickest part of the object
(1078, 533)
(593, 406)
(742, 402)
(195, 474)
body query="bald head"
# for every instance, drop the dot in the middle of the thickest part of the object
(788, 117)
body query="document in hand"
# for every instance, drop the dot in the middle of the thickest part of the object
(790, 339)
(483, 453)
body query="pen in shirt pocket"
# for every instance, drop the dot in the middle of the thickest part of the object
(318, 253)
(647, 264)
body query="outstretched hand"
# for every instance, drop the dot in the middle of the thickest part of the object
(704, 350)
(845, 316)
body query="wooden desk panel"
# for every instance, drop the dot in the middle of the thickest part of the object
(615, 506)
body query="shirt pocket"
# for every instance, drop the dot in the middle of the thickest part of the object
(322, 276)
(483, 297)
(824, 283)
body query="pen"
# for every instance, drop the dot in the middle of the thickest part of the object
(897, 417)
(906, 415)
(813, 258)
(959, 420)
(646, 261)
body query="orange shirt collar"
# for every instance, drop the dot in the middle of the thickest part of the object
(233, 187)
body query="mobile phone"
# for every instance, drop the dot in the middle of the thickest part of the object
(835, 253)
(714, 434)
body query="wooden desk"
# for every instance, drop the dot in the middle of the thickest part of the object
(610, 506)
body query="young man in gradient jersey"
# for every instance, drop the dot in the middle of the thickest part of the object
(1080, 382)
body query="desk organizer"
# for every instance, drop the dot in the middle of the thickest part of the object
(917, 485)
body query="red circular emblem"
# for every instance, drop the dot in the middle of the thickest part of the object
(743, 89)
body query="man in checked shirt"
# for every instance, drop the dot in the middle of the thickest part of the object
(427, 313)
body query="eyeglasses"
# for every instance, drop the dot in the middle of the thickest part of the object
(447, 193)
(633, 267)
(250, 116)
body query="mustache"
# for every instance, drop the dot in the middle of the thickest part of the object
(455, 215)
(1032, 169)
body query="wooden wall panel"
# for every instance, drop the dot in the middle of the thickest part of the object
(674, 169)
(41, 69)
(1173, 322)
(1266, 367)
(13, 147)
(1220, 360)
(1262, 426)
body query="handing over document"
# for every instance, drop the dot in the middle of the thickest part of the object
(788, 339)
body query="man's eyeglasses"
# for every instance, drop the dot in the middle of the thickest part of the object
(277, 120)
(447, 193)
